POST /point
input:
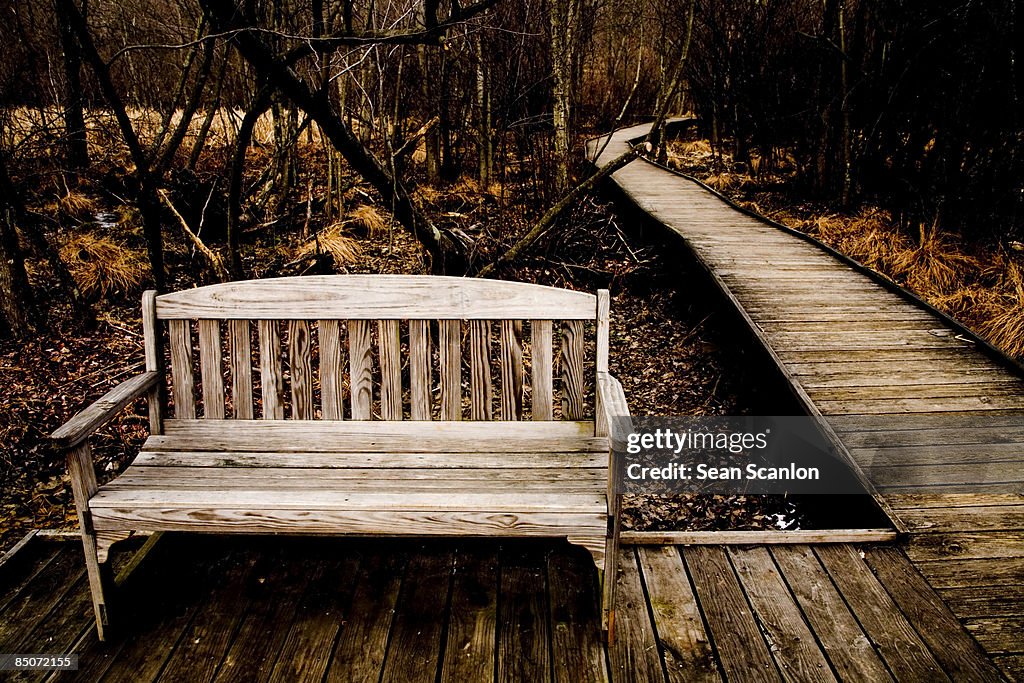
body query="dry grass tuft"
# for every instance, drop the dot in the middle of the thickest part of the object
(369, 219)
(101, 265)
(935, 266)
(75, 205)
(692, 147)
(333, 240)
(726, 181)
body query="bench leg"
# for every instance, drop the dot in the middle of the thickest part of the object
(604, 551)
(101, 583)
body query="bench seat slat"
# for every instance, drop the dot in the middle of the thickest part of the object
(377, 436)
(266, 496)
(319, 460)
(364, 522)
(578, 478)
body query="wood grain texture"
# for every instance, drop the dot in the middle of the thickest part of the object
(572, 370)
(541, 369)
(415, 625)
(300, 362)
(742, 651)
(576, 640)
(419, 370)
(633, 655)
(211, 369)
(360, 373)
(450, 354)
(688, 655)
(180, 338)
(958, 653)
(271, 377)
(835, 627)
(376, 297)
(470, 653)
(894, 636)
(240, 344)
(511, 365)
(87, 421)
(154, 359)
(793, 646)
(524, 652)
(331, 369)
(390, 353)
(480, 395)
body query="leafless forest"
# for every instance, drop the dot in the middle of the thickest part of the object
(169, 143)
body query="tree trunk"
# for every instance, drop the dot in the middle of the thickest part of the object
(564, 17)
(76, 139)
(16, 301)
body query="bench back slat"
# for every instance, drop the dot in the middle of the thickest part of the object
(419, 370)
(271, 377)
(210, 364)
(180, 341)
(450, 362)
(360, 373)
(541, 390)
(480, 405)
(390, 354)
(300, 364)
(572, 370)
(240, 349)
(511, 369)
(331, 367)
(386, 368)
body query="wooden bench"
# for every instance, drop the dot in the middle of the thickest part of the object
(363, 425)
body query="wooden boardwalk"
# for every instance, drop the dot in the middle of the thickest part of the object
(936, 425)
(210, 608)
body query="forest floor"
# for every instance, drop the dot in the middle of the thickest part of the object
(979, 283)
(669, 345)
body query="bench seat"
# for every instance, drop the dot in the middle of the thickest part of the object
(539, 479)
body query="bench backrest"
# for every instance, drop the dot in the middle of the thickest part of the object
(368, 347)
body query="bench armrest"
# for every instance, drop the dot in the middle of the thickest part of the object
(82, 425)
(612, 403)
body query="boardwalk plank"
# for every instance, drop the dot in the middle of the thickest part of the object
(896, 639)
(577, 650)
(843, 640)
(684, 643)
(959, 655)
(742, 650)
(469, 653)
(633, 655)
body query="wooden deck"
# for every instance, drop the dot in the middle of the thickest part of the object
(877, 366)
(210, 608)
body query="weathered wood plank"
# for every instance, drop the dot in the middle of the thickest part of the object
(300, 362)
(240, 351)
(331, 369)
(369, 436)
(895, 637)
(741, 648)
(983, 601)
(841, 637)
(959, 655)
(376, 297)
(419, 370)
(524, 638)
(794, 647)
(319, 615)
(271, 377)
(78, 428)
(480, 396)
(962, 573)
(572, 370)
(541, 369)
(416, 630)
(361, 648)
(966, 545)
(180, 339)
(998, 635)
(954, 519)
(450, 355)
(542, 459)
(469, 653)
(687, 649)
(390, 352)
(211, 369)
(359, 365)
(511, 369)
(576, 648)
(154, 359)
